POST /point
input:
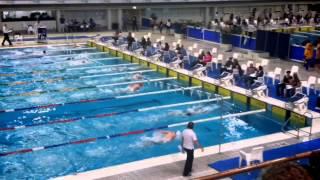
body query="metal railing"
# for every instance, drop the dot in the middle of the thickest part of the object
(297, 129)
(249, 168)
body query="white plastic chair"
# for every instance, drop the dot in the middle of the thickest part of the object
(264, 62)
(294, 69)
(244, 68)
(235, 55)
(256, 154)
(214, 50)
(174, 45)
(18, 39)
(312, 80)
(276, 74)
(195, 46)
(175, 64)
(210, 64)
(200, 71)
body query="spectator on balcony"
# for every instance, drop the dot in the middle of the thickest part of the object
(161, 26)
(125, 22)
(92, 23)
(84, 25)
(62, 24)
(308, 55)
(134, 24)
(168, 26)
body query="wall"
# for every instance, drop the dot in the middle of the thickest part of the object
(177, 14)
(22, 26)
(99, 16)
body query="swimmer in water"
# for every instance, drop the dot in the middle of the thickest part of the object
(137, 76)
(161, 137)
(135, 87)
(191, 111)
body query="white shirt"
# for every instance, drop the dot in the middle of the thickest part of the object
(188, 138)
(5, 30)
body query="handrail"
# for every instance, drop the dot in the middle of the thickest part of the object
(296, 128)
(311, 117)
(265, 164)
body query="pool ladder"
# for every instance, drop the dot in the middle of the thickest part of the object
(298, 130)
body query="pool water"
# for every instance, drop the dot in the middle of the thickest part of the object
(38, 99)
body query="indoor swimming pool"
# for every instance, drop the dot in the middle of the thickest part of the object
(68, 109)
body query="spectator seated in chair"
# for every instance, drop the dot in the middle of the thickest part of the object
(251, 75)
(228, 65)
(285, 81)
(294, 83)
(206, 59)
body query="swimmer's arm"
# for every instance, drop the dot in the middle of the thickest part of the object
(164, 132)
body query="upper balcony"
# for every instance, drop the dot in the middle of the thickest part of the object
(35, 2)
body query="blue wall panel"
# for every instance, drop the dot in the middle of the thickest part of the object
(235, 40)
(195, 33)
(297, 53)
(146, 22)
(250, 43)
(212, 36)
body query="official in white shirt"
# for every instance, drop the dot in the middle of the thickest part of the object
(189, 140)
(6, 35)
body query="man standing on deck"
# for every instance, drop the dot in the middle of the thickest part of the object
(189, 139)
(6, 32)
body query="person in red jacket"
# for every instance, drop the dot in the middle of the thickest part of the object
(206, 58)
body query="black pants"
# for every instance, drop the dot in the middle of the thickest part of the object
(280, 89)
(135, 27)
(6, 38)
(189, 161)
(318, 102)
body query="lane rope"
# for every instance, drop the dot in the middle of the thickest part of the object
(56, 79)
(136, 132)
(51, 62)
(69, 120)
(36, 93)
(100, 99)
(62, 70)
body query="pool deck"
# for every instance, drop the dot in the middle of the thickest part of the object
(171, 166)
